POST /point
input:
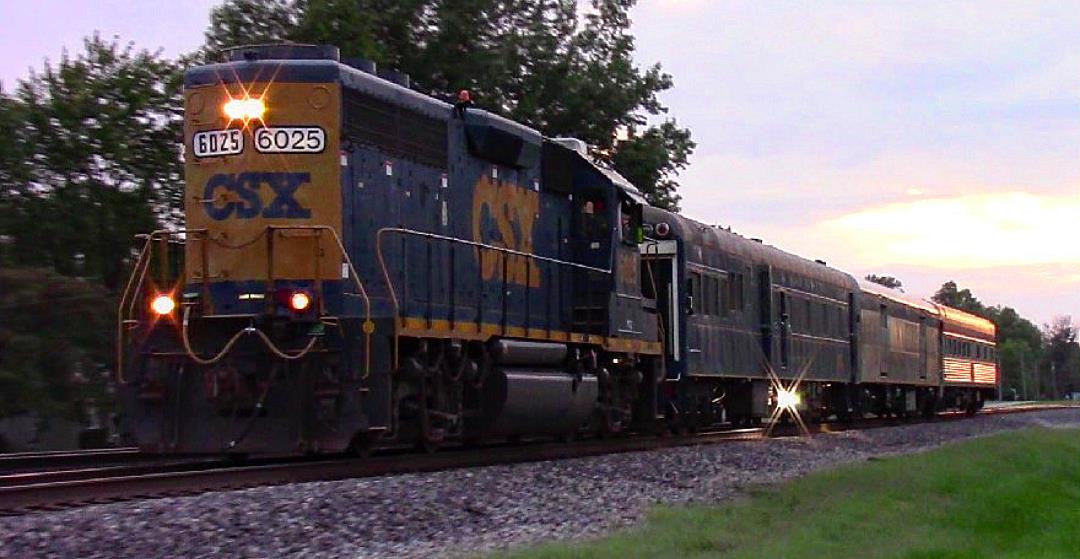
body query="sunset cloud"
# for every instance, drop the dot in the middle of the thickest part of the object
(934, 140)
(973, 231)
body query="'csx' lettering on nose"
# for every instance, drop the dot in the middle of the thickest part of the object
(248, 205)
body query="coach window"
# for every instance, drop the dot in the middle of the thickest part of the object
(693, 288)
(884, 325)
(735, 297)
(709, 291)
(723, 295)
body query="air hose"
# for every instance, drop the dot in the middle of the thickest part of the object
(235, 338)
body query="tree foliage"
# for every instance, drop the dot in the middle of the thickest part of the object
(247, 22)
(1061, 365)
(54, 342)
(91, 158)
(550, 64)
(887, 281)
(952, 296)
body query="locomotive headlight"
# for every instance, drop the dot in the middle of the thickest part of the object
(787, 399)
(245, 109)
(163, 305)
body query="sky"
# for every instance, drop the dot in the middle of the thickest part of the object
(929, 140)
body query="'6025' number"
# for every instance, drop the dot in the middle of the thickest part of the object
(290, 139)
(215, 143)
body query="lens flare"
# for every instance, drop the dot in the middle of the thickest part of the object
(163, 305)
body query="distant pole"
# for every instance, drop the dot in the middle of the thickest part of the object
(1053, 380)
(1023, 375)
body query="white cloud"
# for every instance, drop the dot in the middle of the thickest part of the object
(973, 231)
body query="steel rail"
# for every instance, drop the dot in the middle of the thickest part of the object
(66, 493)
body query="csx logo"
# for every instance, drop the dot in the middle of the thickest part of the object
(228, 194)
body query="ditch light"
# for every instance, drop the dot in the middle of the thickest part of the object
(163, 304)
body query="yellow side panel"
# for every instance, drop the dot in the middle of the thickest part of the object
(236, 197)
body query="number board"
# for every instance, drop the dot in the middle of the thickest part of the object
(215, 143)
(290, 139)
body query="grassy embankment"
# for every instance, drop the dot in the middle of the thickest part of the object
(1012, 495)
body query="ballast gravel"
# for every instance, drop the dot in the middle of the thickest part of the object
(464, 512)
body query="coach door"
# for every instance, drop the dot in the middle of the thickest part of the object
(660, 280)
(924, 349)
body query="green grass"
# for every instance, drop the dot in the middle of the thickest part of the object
(1011, 495)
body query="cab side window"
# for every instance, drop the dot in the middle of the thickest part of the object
(630, 223)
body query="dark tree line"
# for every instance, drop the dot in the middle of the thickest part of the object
(88, 158)
(90, 145)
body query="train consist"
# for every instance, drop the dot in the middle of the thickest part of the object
(364, 265)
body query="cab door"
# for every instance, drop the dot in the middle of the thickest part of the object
(660, 278)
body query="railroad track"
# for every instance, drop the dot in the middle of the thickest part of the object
(51, 490)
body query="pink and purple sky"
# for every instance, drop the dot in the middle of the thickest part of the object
(923, 139)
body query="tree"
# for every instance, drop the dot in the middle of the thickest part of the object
(248, 22)
(91, 158)
(1062, 359)
(54, 343)
(951, 296)
(887, 281)
(545, 63)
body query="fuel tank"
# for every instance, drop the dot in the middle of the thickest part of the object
(537, 401)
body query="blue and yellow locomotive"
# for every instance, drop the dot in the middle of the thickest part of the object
(363, 262)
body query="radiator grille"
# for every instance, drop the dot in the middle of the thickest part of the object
(395, 130)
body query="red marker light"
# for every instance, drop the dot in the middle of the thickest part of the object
(299, 301)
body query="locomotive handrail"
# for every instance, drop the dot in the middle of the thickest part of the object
(135, 283)
(368, 327)
(436, 236)
(139, 264)
(455, 240)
